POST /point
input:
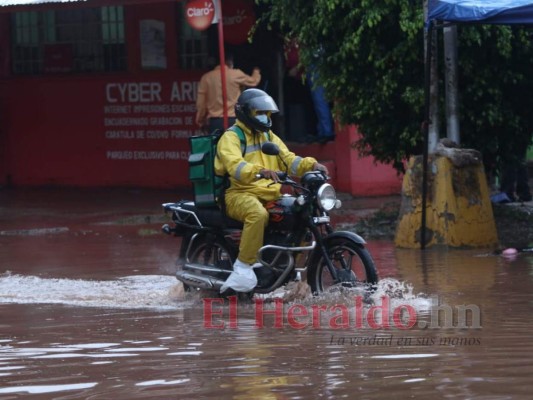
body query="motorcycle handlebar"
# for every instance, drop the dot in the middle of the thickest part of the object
(284, 176)
(281, 175)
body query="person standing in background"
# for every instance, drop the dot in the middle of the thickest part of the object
(515, 179)
(325, 127)
(209, 105)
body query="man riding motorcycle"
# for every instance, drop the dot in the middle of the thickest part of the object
(246, 195)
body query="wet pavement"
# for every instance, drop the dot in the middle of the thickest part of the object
(89, 308)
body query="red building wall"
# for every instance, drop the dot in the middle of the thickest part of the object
(4, 71)
(98, 131)
(359, 176)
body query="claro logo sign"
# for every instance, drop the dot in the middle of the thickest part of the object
(200, 14)
(238, 18)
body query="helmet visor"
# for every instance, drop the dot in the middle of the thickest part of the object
(263, 103)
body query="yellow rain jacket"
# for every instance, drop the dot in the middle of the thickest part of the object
(246, 196)
(242, 171)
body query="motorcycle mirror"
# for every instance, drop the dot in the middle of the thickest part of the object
(271, 149)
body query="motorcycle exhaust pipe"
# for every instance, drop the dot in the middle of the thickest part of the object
(199, 281)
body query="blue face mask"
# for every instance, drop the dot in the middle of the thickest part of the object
(263, 118)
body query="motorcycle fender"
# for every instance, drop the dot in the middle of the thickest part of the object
(349, 236)
(195, 239)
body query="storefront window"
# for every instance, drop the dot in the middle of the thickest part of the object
(70, 40)
(26, 55)
(113, 38)
(192, 44)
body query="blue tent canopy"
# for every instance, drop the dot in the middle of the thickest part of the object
(483, 11)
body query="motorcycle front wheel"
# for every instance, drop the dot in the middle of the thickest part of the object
(353, 265)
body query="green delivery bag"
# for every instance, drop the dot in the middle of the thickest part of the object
(208, 186)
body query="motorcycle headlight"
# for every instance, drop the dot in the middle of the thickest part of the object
(326, 197)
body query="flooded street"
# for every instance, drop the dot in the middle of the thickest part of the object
(89, 308)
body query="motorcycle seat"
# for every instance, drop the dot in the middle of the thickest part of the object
(212, 216)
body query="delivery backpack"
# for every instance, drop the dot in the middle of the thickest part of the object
(209, 187)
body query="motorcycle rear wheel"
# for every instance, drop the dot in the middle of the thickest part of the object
(353, 264)
(217, 255)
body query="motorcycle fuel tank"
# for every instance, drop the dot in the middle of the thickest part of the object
(281, 212)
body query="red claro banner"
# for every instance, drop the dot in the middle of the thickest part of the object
(200, 14)
(238, 17)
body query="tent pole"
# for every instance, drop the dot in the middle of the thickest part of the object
(426, 124)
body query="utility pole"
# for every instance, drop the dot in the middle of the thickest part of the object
(452, 92)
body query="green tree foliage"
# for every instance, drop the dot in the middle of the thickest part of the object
(370, 58)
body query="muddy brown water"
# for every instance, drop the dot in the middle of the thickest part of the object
(89, 309)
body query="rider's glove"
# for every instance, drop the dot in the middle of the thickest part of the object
(269, 174)
(320, 167)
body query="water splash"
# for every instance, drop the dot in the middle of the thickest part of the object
(162, 292)
(397, 292)
(131, 292)
(401, 293)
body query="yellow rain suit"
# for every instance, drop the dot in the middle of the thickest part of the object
(247, 194)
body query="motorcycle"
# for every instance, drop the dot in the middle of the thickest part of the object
(298, 239)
